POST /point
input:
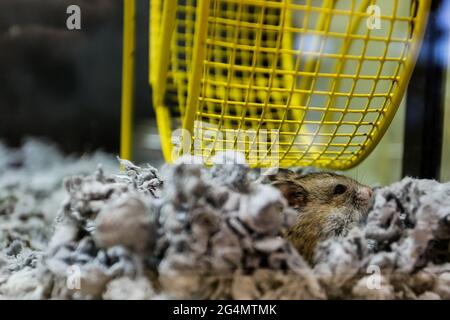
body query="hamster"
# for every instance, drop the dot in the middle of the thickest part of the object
(328, 205)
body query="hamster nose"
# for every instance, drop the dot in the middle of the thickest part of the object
(366, 193)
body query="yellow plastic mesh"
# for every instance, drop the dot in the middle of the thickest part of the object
(289, 82)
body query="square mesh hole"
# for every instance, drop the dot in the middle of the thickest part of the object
(339, 140)
(327, 65)
(400, 29)
(340, 102)
(344, 85)
(350, 67)
(313, 115)
(346, 130)
(370, 67)
(377, 103)
(395, 50)
(357, 103)
(323, 84)
(356, 47)
(383, 86)
(364, 86)
(358, 140)
(370, 117)
(375, 48)
(364, 129)
(389, 68)
(352, 117)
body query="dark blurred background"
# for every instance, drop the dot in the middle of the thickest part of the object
(66, 85)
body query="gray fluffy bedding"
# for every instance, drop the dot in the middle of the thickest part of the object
(72, 230)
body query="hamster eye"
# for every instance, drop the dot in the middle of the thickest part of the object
(340, 189)
(299, 194)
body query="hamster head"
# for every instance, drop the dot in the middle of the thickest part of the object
(328, 205)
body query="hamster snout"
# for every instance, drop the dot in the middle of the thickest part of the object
(364, 196)
(365, 193)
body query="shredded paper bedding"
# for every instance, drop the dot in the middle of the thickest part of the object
(70, 229)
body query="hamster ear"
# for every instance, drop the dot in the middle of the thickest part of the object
(281, 174)
(295, 194)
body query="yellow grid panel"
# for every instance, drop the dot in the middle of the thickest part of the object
(288, 82)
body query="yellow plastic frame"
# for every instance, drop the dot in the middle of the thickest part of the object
(224, 25)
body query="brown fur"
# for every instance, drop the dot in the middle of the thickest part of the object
(324, 209)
